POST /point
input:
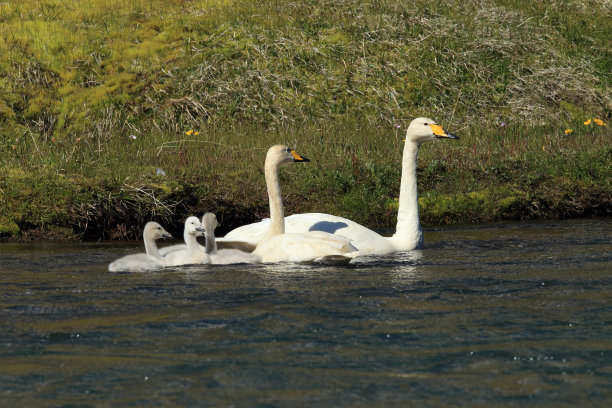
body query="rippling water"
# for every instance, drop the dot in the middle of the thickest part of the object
(500, 315)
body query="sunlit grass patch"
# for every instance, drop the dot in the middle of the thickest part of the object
(180, 99)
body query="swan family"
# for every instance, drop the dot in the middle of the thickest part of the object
(299, 238)
(190, 253)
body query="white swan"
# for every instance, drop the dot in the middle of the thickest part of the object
(408, 235)
(149, 261)
(193, 253)
(223, 256)
(304, 247)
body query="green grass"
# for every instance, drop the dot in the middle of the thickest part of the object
(78, 80)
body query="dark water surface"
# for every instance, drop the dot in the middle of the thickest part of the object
(502, 315)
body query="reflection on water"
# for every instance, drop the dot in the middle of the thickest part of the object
(507, 314)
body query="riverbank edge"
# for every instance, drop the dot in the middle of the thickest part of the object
(83, 213)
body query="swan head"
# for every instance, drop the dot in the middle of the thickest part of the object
(424, 130)
(282, 154)
(193, 226)
(209, 221)
(155, 231)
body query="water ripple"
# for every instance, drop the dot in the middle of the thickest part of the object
(497, 315)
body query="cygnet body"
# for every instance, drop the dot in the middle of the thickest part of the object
(223, 256)
(193, 253)
(151, 260)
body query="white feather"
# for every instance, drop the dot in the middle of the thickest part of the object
(408, 235)
(304, 247)
(148, 261)
(193, 253)
(223, 256)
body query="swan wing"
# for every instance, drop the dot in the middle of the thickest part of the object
(368, 241)
(303, 248)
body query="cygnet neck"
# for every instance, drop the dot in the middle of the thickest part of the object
(150, 246)
(211, 243)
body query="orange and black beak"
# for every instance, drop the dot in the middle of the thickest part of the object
(298, 158)
(440, 133)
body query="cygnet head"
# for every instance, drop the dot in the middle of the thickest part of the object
(155, 231)
(282, 154)
(193, 226)
(424, 129)
(209, 221)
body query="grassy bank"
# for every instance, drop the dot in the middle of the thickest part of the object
(120, 111)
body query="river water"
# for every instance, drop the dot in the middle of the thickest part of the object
(497, 315)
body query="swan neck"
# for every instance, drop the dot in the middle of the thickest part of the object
(151, 246)
(408, 233)
(211, 243)
(277, 215)
(190, 240)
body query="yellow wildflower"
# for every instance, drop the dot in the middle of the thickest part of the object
(600, 122)
(588, 122)
(189, 132)
(14, 147)
(568, 131)
(196, 133)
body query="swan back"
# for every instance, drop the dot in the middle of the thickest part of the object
(368, 241)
